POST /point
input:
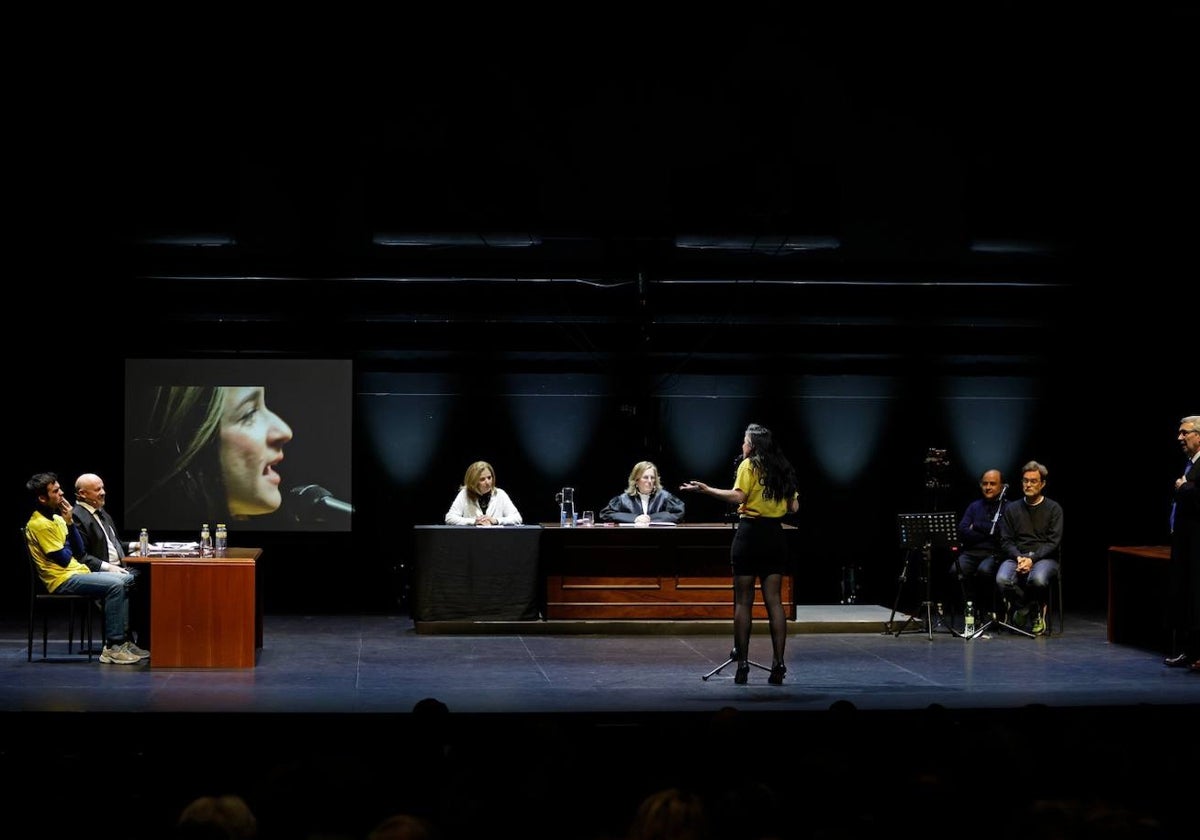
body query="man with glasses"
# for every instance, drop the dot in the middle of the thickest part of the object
(1184, 606)
(1030, 537)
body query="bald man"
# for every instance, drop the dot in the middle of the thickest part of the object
(103, 551)
(979, 534)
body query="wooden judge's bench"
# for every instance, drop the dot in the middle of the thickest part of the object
(623, 572)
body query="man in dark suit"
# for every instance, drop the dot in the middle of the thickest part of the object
(104, 551)
(1184, 608)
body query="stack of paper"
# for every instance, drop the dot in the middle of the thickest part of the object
(175, 548)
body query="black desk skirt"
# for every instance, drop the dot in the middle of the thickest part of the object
(481, 574)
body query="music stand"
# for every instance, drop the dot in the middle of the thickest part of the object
(921, 532)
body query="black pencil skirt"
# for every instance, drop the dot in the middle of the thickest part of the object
(759, 548)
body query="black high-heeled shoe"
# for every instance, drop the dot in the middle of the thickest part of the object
(742, 675)
(777, 672)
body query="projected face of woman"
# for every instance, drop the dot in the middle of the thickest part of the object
(252, 439)
(484, 485)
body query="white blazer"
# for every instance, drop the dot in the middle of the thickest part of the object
(464, 511)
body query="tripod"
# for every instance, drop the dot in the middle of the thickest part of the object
(732, 658)
(995, 619)
(920, 531)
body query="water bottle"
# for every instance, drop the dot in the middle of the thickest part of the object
(222, 539)
(969, 619)
(206, 546)
(144, 543)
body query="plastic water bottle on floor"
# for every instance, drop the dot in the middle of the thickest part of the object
(969, 619)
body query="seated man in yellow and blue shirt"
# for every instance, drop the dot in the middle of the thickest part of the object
(54, 543)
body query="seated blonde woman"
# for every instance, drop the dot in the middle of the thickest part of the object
(480, 501)
(644, 500)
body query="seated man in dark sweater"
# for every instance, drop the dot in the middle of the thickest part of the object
(1030, 538)
(979, 535)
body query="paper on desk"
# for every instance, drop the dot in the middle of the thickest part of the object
(647, 524)
(175, 546)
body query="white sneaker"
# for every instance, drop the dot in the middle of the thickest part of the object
(140, 653)
(118, 656)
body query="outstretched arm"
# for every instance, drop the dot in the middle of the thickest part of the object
(733, 497)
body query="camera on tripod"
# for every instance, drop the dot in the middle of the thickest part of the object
(937, 470)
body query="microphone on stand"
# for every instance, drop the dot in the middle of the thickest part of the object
(313, 503)
(999, 506)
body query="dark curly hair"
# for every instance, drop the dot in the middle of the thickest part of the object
(775, 473)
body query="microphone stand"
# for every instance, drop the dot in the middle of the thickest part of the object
(999, 507)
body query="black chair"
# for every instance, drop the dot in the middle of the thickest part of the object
(43, 602)
(1054, 603)
(1054, 600)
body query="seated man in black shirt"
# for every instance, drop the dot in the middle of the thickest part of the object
(1030, 538)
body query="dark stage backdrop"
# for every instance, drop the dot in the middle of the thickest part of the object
(860, 443)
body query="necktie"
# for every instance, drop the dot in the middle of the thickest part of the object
(113, 542)
(1186, 471)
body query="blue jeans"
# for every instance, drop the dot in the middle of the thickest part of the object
(977, 575)
(113, 588)
(1018, 588)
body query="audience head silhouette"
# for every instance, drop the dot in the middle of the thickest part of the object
(217, 818)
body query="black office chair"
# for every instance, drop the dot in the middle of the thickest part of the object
(42, 601)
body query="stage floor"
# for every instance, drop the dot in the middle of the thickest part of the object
(379, 663)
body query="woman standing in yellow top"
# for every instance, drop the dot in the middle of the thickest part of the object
(765, 490)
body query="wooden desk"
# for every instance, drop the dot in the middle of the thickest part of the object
(1137, 590)
(204, 612)
(475, 574)
(618, 573)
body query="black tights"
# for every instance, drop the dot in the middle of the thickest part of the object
(743, 613)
